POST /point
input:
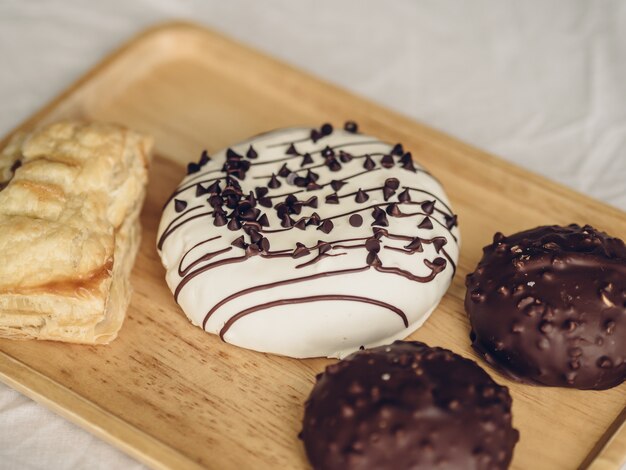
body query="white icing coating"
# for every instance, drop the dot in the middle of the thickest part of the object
(310, 322)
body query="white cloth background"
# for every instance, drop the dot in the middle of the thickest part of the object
(541, 83)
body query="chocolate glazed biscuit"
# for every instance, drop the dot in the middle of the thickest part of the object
(408, 405)
(547, 306)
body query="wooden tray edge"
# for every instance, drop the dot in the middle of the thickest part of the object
(605, 455)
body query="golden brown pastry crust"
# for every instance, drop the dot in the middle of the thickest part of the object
(70, 197)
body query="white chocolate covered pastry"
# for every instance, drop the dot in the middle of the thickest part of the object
(308, 242)
(70, 197)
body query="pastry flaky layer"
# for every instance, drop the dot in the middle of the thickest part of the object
(70, 198)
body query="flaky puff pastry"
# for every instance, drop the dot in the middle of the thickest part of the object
(70, 197)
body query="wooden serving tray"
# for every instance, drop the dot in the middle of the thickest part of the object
(175, 397)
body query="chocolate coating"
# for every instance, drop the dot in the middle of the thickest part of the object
(408, 405)
(547, 306)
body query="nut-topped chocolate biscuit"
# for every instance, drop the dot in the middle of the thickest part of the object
(408, 405)
(547, 306)
(309, 242)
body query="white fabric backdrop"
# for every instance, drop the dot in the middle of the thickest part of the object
(541, 83)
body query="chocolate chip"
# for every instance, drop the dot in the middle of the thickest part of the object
(356, 220)
(273, 182)
(312, 186)
(286, 221)
(264, 245)
(252, 250)
(387, 193)
(409, 166)
(393, 210)
(387, 161)
(239, 242)
(255, 236)
(219, 219)
(314, 219)
(392, 183)
(451, 221)
(192, 167)
(232, 155)
(234, 224)
(426, 224)
(326, 226)
(333, 164)
(439, 243)
(404, 196)
(369, 164)
(312, 176)
(380, 232)
(265, 202)
(345, 157)
(291, 150)
(299, 181)
(204, 158)
(300, 224)
(328, 152)
(351, 126)
(282, 209)
(307, 159)
(311, 202)
(300, 251)
(428, 207)
(263, 221)
(361, 196)
(200, 190)
(261, 191)
(315, 135)
(332, 199)
(397, 150)
(372, 244)
(251, 153)
(179, 205)
(284, 171)
(380, 218)
(326, 129)
(415, 245)
(214, 188)
(323, 247)
(373, 259)
(337, 185)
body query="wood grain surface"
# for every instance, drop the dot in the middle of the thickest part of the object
(175, 397)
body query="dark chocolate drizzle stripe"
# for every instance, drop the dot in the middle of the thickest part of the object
(408, 275)
(169, 230)
(205, 257)
(318, 258)
(411, 252)
(182, 260)
(193, 274)
(313, 298)
(271, 285)
(452, 263)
